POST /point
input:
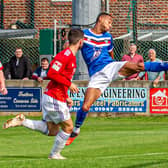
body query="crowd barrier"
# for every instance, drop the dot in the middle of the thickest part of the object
(136, 95)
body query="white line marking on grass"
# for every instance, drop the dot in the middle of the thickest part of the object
(101, 157)
(132, 155)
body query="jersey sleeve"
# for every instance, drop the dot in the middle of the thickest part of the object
(111, 46)
(56, 68)
(35, 74)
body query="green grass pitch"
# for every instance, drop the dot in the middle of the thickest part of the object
(130, 142)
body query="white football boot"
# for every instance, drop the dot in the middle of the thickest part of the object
(56, 156)
(16, 121)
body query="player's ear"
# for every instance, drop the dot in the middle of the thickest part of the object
(101, 19)
(81, 42)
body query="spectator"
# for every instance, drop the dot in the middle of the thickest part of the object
(40, 73)
(132, 56)
(19, 66)
(3, 89)
(154, 76)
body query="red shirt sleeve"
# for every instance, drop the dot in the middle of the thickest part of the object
(56, 70)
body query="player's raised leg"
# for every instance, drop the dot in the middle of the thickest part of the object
(130, 68)
(16, 121)
(21, 120)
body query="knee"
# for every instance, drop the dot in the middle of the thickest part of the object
(70, 128)
(85, 107)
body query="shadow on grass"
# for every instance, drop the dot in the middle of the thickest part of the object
(147, 164)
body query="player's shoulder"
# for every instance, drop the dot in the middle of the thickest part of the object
(88, 32)
(107, 34)
(64, 54)
(67, 52)
(85, 30)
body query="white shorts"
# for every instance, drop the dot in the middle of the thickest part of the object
(54, 110)
(103, 78)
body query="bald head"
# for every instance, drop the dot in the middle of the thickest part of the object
(132, 49)
(152, 54)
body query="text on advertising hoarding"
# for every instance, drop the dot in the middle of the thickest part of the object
(114, 100)
(21, 99)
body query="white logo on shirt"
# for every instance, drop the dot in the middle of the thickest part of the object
(96, 54)
(67, 52)
(57, 65)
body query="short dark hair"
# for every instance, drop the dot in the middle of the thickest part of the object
(20, 48)
(102, 14)
(75, 35)
(44, 59)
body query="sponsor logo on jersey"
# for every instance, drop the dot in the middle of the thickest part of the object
(67, 52)
(96, 54)
(106, 41)
(57, 65)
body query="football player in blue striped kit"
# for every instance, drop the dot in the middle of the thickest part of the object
(97, 52)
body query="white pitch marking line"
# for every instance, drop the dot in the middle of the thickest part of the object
(133, 155)
(101, 157)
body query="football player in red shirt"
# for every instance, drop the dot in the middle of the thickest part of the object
(55, 101)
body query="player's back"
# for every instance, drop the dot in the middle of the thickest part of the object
(61, 71)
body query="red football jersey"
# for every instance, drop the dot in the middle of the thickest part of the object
(61, 71)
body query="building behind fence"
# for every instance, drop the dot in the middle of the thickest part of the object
(143, 22)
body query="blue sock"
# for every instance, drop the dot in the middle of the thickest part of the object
(155, 66)
(81, 115)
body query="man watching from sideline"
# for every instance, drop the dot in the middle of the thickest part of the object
(132, 56)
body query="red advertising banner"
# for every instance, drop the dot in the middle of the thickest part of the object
(159, 100)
